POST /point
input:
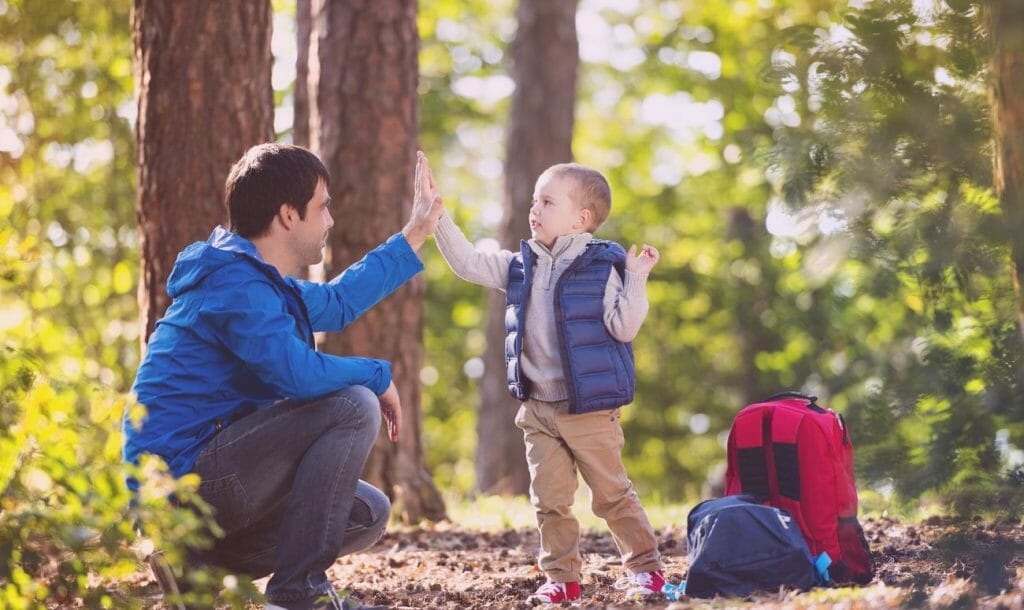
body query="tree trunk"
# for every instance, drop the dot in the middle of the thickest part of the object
(300, 98)
(202, 80)
(364, 70)
(1006, 95)
(545, 59)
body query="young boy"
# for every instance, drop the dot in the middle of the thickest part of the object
(574, 304)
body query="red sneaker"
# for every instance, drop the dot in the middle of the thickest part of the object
(554, 592)
(642, 584)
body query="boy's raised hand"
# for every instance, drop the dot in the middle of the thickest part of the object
(644, 261)
(427, 206)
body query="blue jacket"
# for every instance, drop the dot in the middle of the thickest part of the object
(599, 369)
(238, 337)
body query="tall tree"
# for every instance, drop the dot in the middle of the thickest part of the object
(202, 77)
(303, 28)
(363, 124)
(545, 61)
(1006, 94)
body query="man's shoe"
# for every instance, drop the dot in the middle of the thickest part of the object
(167, 580)
(642, 584)
(554, 592)
(331, 601)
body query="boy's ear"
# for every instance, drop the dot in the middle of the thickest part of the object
(586, 216)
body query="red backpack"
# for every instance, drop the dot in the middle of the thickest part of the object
(796, 455)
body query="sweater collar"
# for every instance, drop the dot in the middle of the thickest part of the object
(565, 246)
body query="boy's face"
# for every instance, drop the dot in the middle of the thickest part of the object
(554, 212)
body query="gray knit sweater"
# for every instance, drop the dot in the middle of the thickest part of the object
(625, 303)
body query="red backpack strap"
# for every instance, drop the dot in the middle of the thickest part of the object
(748, 438)
(785, 426)
(786, 462)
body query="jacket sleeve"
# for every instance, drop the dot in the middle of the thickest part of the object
(625, 305)
(255, 328)
(487, 268)
(334, 305)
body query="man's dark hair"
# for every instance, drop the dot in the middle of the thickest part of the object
(267, 176)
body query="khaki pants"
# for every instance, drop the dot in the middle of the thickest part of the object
(557, 443)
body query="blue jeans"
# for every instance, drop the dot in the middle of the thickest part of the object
(284, 482)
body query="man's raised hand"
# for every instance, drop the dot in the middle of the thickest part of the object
(427, 206)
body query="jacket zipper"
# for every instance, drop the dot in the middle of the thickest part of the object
(559, 319)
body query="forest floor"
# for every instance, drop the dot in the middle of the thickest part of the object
(937, 563)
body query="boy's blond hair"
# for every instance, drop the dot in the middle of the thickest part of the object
(590, 190)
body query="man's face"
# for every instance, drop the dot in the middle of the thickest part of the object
(310, 235)
(554, 211)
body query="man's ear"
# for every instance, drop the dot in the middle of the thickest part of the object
(287, 215)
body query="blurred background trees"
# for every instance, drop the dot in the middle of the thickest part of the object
(896, 146)
(836, 203)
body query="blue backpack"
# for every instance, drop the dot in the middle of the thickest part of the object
(738, 545)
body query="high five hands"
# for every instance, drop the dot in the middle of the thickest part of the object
(427, 206)
(644, 261)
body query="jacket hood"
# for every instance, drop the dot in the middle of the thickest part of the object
(202, 258)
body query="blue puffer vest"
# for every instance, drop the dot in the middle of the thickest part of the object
(599, 370)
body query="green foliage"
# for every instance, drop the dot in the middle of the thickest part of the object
(67, 185)
(67, 520)
(67, 529)
(57, 519)
(68, 318)
(894, 141)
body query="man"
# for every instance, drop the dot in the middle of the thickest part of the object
(236, 392)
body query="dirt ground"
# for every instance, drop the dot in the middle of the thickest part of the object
(940, 563)
(936, 564)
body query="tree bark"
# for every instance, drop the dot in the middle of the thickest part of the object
(1006, 95)
(202, 77)
(363, 120)
(545, 61)
(300, 98)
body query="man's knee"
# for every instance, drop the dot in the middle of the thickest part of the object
(367, 520)
(359, 401)
(377, 508)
